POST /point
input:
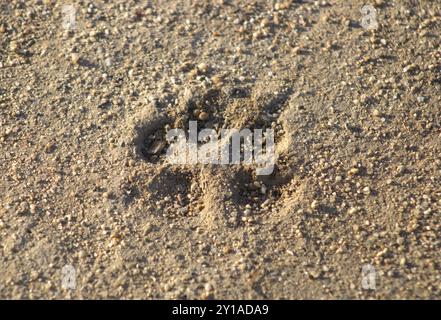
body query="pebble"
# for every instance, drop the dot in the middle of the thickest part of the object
(315, 274)
(50, 147)
(296, 50)
(403, 261)
(264, 23)
(366, 190)
(376, 113)
(23, 208)
(203, 68)
(203, 116)
(75, 58)
(108, 62)
(208, 287)
(421, 99)
(217, 80)
(13, 46)
(81, 254)
(107, 195)
(282, 5)
(409, 68)
(157, 147)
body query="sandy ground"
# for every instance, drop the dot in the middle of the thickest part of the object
(89, 208)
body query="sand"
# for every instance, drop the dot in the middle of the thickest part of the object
(91, 209)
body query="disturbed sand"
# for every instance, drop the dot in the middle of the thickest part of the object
(86, 193)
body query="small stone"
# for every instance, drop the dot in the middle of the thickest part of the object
(264, 23)
(409, 68)
(257, 34)
(157, 147)
(366, 190)
(13, 46)
(107, 195)
(315, 274)
(315, 204)
(403, 261)
(421, 99)
(108, 62)
(50, 147)
(297, 50)
(75, 58)
(203, 116)
(208, 287)
(217, 80)
(376, 113)
(282, 5)
(148, 228)
(34, 275)
(23, 208)
(353, 210)
(203, 68)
